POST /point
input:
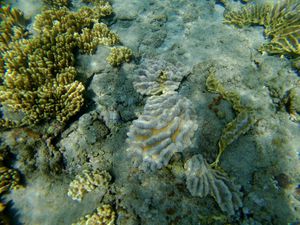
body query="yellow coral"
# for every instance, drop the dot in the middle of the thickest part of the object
(281, 22)
(105, 215)
(88, 181)
(119, 55)
(38, 73)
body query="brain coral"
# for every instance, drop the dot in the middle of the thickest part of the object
(166, 126)
(157, 77)
(202, 180)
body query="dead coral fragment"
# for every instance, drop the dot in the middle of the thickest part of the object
(105, 215)
(118, 55)
(87, 182)
(202, 180)
(157, 77)
(166, 126)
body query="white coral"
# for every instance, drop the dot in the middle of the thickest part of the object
(202, 180)
(165, 127)
(157, 77)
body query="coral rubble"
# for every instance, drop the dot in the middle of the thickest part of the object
(87, 182)
(202, 180)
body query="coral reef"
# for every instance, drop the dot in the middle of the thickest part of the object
(105, 215)
(202, 180)
(165, 127)
(281, 21)
(87, 182)
(292, 103)
(119, 55)
(156, 77)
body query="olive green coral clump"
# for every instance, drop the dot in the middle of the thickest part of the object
(281, 21)
(38, 72)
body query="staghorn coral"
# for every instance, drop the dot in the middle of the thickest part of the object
(119, 55)
(281, 21)
(87, 182)
(202, 180)
(105, 215)
(166, 126)
(157, 77)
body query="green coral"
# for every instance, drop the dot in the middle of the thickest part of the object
(38, 72)
(281, 21)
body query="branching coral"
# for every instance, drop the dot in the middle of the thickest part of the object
(9, 178)
(119, 55)
(38, 74)
(57, 3)
(87, 182)
(202, 180)
(281, 21)
(105, 215)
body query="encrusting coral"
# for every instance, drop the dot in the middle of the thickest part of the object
(38, 71)
(87, 182)
(105, 215)
(281, 21)
(168, 122)
(202, 180)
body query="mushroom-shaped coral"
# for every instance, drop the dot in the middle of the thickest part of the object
(202, 180)
(156, 77)
(166, 127)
